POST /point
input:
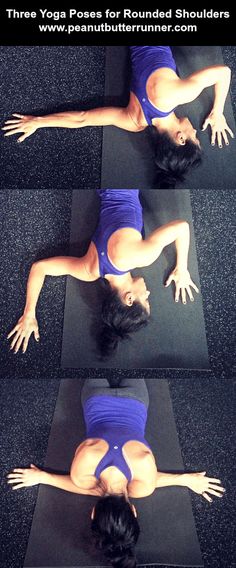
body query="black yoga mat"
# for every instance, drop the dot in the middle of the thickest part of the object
(127, 159)
(175, 336)
(60, 533)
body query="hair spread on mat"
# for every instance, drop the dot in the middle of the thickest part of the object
(118, 320)
(172, 160)
(116, 530)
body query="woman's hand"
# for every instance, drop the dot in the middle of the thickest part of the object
(21, 123)
(199, 483)
(183, 284)
(25, 477)
(22, 332)
(219, 128)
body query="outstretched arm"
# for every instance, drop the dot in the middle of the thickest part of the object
(28, 477)
(197, 482)
(57, 266)
(188, 89)
(103, 116)
(145, 252)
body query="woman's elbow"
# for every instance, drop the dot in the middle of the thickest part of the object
(38, 267)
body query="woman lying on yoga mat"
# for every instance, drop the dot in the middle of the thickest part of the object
(114, 463)
(116, 248)
(155, 92)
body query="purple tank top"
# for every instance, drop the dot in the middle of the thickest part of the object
(120, 208)
(145, 60)
(115, 420)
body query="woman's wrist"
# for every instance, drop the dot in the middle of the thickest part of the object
(29, 312)
(44, 477)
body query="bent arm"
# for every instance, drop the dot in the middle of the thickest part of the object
(190, 88)
(145, 252)
(57, 266)
(148, 250)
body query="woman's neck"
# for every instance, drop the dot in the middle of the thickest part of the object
(168, 123)
(121, 282)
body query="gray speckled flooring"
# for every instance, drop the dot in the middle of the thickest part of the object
(34, 224)
(60, 78)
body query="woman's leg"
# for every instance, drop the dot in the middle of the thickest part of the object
(133, 388)
(128, 388)
(93, 387)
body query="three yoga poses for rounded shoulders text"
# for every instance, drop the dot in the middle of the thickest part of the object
(115, 463)
(116, 248)
(155, 92)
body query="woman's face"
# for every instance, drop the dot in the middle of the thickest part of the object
(140, 291)
(187, 132)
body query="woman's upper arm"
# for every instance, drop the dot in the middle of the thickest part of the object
(138, 489)
(63, 265)
(110, 116)
(151, 248)
(189, 89)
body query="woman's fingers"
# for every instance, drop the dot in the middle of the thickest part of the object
(183, 295)
(12, 125)
(13, 121)
(225, 137)
(207, 497)
(219, 139)
(18, 486)
(191, 283)
(25, 342)
(36, 335)
(189, 293)
(169, 280)
(229, 131)
(13, 343)
(13, 331)
(217, 487)
(19, 343)
(213, 136)
(16, 479)
(24, 136)
(18, 115)
(205, 124)
(216, 493)
(177, 292)
(14, 131)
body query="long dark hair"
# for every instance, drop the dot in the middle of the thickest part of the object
(118, 320)
(172, 160)
(116, 530)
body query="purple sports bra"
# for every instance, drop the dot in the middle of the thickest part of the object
(145, 60)
(120, 208)
(116, 420)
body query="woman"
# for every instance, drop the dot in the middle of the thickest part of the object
(156, 90)
(116, 248)
(114, 463)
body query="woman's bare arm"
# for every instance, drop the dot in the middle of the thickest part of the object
(145, 252)
(57, 266)
(103, 116)
(27, 477)
(189, 89)
(197, 482)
